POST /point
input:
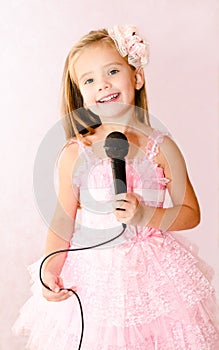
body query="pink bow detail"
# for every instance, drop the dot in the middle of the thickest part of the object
(156, 238)
(135, 46)
(151, 235)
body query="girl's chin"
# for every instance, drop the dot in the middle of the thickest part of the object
(111, 109)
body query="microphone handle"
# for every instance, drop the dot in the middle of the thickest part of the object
(119, 175)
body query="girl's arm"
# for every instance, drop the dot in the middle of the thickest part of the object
(184, 213)
(62, 225)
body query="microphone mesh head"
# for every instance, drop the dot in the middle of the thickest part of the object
(116, 145)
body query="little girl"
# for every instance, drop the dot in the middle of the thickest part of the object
(145, 290)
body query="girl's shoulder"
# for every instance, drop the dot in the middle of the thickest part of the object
(69, 148)
(168, 152)
(75, 144)
(69, 153)
(159, 136)
(153, 140)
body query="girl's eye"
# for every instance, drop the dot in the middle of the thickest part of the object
(89, 81)
(113, 71)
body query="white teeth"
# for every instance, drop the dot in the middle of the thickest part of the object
(108, 98)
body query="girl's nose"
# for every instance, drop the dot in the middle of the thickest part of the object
(103, 84)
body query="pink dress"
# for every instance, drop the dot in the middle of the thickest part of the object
(146, 291)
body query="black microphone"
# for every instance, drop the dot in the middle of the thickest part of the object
(116, 147)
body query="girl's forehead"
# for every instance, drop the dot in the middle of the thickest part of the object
(99, 50)
(96, 55)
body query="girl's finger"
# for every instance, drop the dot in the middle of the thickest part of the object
(120, 214)
(120, 197)
(54, 287)
(60, 296)
(121, 204)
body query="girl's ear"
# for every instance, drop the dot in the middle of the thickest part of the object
(139, 78)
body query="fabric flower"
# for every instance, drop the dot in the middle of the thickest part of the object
(130, 44)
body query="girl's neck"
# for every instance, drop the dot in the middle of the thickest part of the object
(110, 127)
(129, 121)
(133, 125)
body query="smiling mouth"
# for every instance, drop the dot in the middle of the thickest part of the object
(109, 98)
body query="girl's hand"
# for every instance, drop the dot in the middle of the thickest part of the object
(129, 210)
(56, 292)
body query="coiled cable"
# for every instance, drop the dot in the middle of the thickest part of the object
(68, 289)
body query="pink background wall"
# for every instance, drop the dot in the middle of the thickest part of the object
(183, 93)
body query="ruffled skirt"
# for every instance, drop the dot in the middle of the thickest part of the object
(136, 296)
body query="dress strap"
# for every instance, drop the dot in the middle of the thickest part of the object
(82, 147)
(80, 143)
(152, 147)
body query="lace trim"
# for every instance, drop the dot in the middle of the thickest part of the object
(152, 147)
(151, 150)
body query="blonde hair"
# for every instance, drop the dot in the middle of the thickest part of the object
(76, 119)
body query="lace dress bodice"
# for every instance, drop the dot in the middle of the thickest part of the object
(96, 189)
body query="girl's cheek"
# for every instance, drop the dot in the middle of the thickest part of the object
(85, 94)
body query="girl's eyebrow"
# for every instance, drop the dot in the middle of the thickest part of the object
(105, 66)
(84, 75)
(112, 64)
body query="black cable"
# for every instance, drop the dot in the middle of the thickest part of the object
(74, 250)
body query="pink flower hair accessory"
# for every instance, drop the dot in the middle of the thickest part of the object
(129, 43)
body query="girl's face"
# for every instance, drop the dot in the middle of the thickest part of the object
(106, 80)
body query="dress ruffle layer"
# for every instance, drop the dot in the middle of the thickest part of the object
(150, 292)
(134, 296)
